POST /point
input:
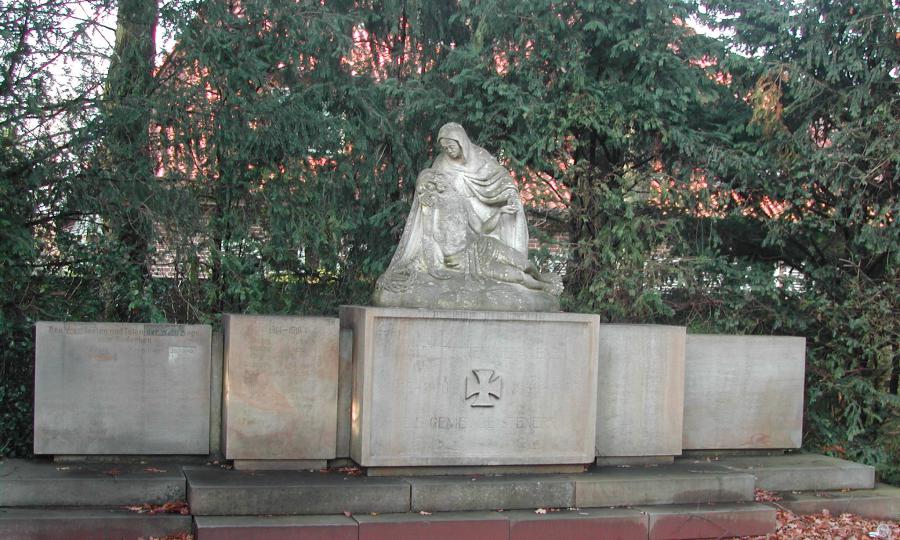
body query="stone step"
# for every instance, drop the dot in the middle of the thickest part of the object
(802, 472)
(275, 528)
(883, 502)
(644, 523)
(213, 491)
(513, 492)
(682, 522)
(580, 524)
(88, 524)
(680, 483)
(438, 526)
(42, 483)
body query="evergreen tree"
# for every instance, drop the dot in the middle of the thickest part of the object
(817, 178)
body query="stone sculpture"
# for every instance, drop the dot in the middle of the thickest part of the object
(465, 245)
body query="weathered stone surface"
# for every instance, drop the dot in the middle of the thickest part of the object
(640, 395)
(157, 461)
(281, 391)
(580, 524)
(475, 470)
(803, 472)
(634, 460)
(463, 293)
(32, 483)
(685, 522)
(883, 502)
(345, 392)
(715, 455)
(465, 244)
(114, 388)
(443, 526)
(217, 492)
(88, 524)
(275, 528)
(681, 483)
(438, 388)
(279, 464)
(216, 386)
(460, 493)
(743, 392)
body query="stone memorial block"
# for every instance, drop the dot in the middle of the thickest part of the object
(743, 392)
(640, 390)
(115, 388)
(467, 388)
(281, 381)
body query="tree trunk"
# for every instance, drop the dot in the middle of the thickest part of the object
(129, 160)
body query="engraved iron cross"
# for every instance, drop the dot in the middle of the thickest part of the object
(483, 384)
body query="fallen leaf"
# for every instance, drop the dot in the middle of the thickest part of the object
(762, 495)
(791, 526)
(349, 471)
(176, 507)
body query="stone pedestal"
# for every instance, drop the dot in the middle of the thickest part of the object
(281, 380)
(469, 388)
(743, 392)
(640, 393)
(114, 388)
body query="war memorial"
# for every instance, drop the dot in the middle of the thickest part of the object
(461, 404)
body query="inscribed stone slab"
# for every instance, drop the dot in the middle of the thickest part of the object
(743, 392)
(281, 378)
(640, 390)
(115, 388)
(436, 388)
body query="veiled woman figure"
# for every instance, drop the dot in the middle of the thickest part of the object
(488, 186)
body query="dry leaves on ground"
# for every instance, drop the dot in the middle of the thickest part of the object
(349, 471)
(825, 526)
(766, 496)
(177, 507)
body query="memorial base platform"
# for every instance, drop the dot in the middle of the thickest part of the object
(687, 499)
